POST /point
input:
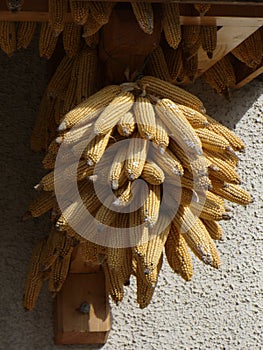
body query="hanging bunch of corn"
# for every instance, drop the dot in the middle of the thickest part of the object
(185, 157)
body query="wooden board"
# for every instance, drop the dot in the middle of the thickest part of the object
(74, 327)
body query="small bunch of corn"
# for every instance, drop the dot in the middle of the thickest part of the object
(186, 158)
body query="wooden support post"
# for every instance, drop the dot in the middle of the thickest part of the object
(82, 312)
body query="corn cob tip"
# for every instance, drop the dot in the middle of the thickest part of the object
(90, 162)
(114, 184)
(62, 126)
(92, 178)
(210, 55)
(59, 139)
(226, 216)
(119, 202)
(161, 149)
(38, 187)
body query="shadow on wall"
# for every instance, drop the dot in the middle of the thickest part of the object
(227, 112)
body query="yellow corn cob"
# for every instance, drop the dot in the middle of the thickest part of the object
(221, 170)
(47, 41)
(175, 64)
(171, 24)
(91, 27)
(91, 40)
(71, 38)
(195, 118)
(96, 148)
(221, 76)
(119, 259)
(157, 65)
(25, 33)
(49, 161)
(209, 39)
(59, 272)
(145, 117)
(114, 283)
(75, 135)
(136, 157)
(152, 173)
(105, 216)
(126, 124)
(179, 126)
(196, 236)
(113, 113)
(14, 5)
(91, 252)
(202, 8)
(168, 162)
(34, 278)
(8, 37)
(143, 12)
(51, 250)
(61, 77)
(79, 11)
(167, 90)
(43, 203)
(213, 228)
(250, 50)
(161, 138)
(212, 141)
(151, 206)
(233, 193)
(178, 255)
(235, 142)
(101, 11)
(90, 108)
(57, 12)
(87, 81)
(144, 290)
(70, 95)
(191, 66)
(47, 182)
(228, 157)
(124, 195)
(117, 167)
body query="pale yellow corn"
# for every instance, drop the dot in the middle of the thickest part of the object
(101, 11)
(117, 167)
(213, 228)
(151, 206)
(168, 162)
(175, 65)
(212, 141)
(136, 157)
(152, 173)
(8, 37)
(161, 138)
(96, 147)
(114, 283)
(59, 272)
(145, 117)
(222, 170)
(126, 124)
(124, 195)
(111, 115)
(195, 118)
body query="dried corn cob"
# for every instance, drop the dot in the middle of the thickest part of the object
(136, 157)
(145, 117)
(57, 12)
(202, 8)
(195, 118)
(190, 36)
(71, 38)
(91, 27)
(151, 206)
(43, 203)
(90, 108)
(212, 141)
(179, 126)
(114, 283)
(126, 124)
(47, 41)
(209, 39)
(143, 12)
(75, 135)
(91, 40)
(161, 138)
(79, 11)
(96, 148)
(8, 37)
(222, 170)
(231, 192)
(25, 33)
(171, 24)
(105, 216)
(51, 250)
(113, 113)
(59, 272)
(90, 252)
(87, 82)
(101, 11)
(213, 228)
(235, 142)
(124, 195)
(117, 167)
(157, 65)
(175, 64)
(228, 157)
(168, 162)
(34, 278)
(152, 173)
(163, 89)
(191, 66)
(178, 255)
(250, 50)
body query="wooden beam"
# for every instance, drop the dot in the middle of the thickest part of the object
(245, 74)
(227, 39)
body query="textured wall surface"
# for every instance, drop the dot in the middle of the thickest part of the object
(217, 310)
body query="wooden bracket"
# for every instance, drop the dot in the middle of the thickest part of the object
(82, 311)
